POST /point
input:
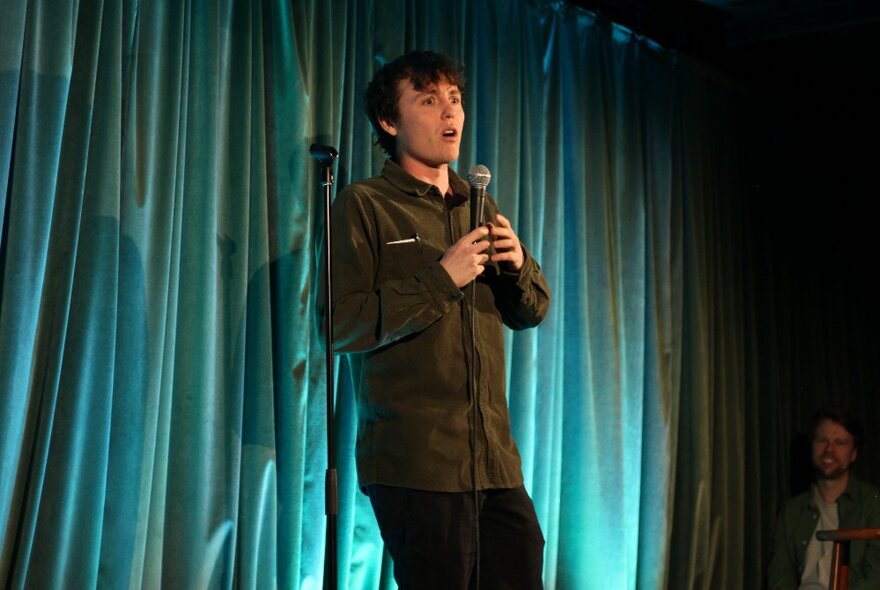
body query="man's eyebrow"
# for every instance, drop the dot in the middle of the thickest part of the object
(433, 89)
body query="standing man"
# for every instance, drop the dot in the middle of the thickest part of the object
(836, 500)
(434, 454)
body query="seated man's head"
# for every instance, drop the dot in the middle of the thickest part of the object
(414, 105)
(836, 438)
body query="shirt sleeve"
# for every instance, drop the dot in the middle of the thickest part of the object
(367, 313)
(522, 297)
(867, 576)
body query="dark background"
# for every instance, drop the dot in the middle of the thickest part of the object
(813, 69)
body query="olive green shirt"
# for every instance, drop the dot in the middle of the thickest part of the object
(404, 326)
(857, 507)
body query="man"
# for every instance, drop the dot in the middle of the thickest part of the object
(404, 262)
(836, 500)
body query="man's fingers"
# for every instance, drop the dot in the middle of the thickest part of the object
(499, 232)
(479, 246)
(504, 243)
(505, 222)
(476, 234)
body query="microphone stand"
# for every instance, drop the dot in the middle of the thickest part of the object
(326, 156)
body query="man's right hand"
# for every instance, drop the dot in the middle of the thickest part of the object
(465, 259)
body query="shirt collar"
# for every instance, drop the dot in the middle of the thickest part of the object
(405, 182)
(847, 495)
(849, 492)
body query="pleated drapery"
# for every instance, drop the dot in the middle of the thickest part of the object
(162, 410)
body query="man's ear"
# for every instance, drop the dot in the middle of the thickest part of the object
(388, 127)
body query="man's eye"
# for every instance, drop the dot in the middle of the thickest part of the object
(428, 101)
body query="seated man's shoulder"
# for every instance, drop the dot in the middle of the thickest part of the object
(865, 490)
(798, 502)
(866, 497)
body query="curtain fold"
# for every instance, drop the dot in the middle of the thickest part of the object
(163, 414)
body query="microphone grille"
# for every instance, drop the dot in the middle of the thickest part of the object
(479, 176)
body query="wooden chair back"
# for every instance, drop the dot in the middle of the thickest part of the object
(840, 552)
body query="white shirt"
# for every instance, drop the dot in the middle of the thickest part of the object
(817, 568)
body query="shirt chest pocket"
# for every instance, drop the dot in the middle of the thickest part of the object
(401, 259)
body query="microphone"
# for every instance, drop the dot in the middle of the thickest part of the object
(324, 154)
(478, 177)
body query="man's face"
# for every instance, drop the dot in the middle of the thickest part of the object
(833, 450)
(428, 130)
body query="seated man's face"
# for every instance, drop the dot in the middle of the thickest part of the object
(833, 450)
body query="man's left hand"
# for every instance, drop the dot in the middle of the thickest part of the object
(508, 250)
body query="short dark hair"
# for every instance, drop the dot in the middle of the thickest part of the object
(423, 68)
(844, 418)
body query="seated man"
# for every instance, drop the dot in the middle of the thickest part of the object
(836, 500)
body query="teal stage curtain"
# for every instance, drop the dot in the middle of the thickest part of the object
(162, 417)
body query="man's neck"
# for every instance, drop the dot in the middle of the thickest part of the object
(436, 175)
(830, 489)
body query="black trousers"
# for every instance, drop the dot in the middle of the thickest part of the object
(431, 538)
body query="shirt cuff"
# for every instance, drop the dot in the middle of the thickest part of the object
(440, 285)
